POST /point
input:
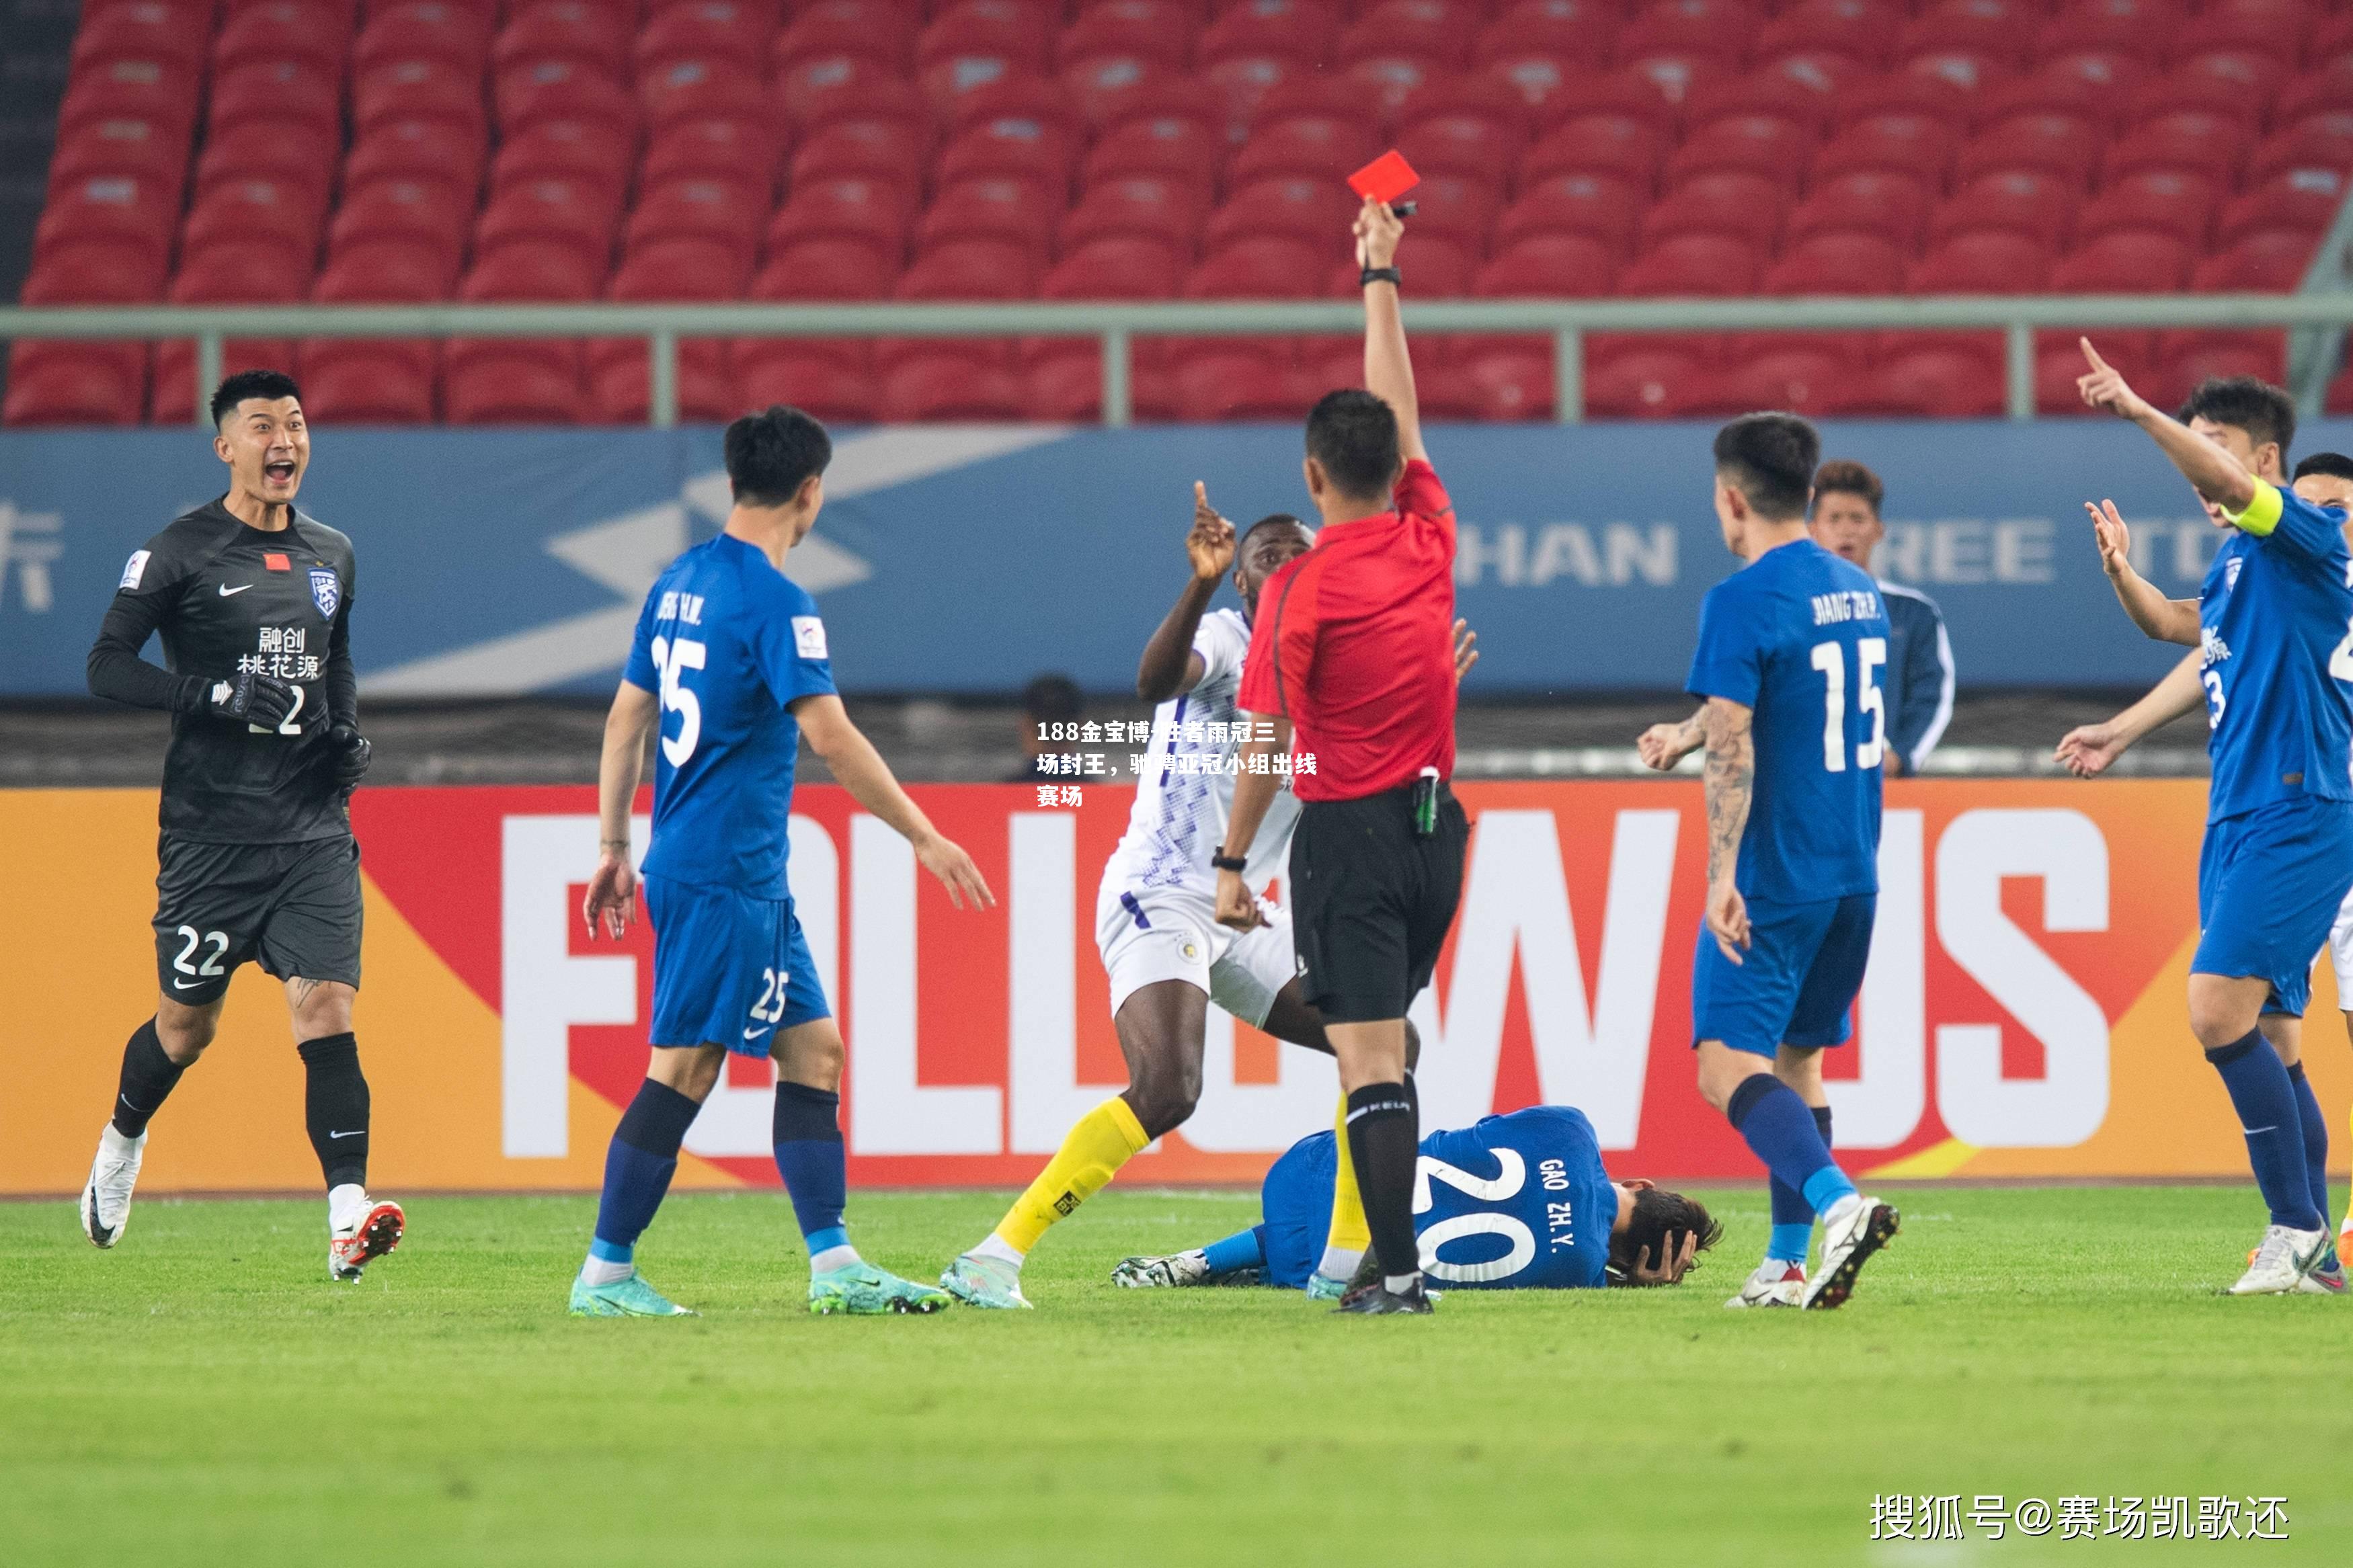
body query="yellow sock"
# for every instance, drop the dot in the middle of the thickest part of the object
(1105, 1138)
(1349, 1233)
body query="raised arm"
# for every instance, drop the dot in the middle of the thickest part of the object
(2164, 619)
(2087, 750)
(858, 768)
(1170, 664)
(1388, 369)
(2216, 475)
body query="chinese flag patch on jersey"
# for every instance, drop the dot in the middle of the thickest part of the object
(276, 563)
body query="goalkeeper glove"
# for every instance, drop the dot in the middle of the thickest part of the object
(253, 696)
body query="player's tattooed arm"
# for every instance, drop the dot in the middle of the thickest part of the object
(2164, 619)
(1170, 664)
(1662, 746)
(612, 899)
(1731, 780)
(858, 768)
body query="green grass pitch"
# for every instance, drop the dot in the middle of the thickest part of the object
(203, 1395)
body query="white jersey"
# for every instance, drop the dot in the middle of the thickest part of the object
(1187, 788)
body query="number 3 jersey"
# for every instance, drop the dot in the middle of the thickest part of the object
(728, 643)
(227, 598)
(1800, 637)
(2275, 618)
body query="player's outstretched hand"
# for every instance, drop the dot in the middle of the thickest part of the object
(1237, 907)
(612, 899)
(2114, 539)
(1210, 545)
(2105, 387)
(946, 858)
(1669, 1262)
(2088, 749)
(1727, 919)
(1466, 651)
(253, 697)
(1378, 228)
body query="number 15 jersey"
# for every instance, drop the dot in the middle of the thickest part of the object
(728, 643)
(2275, 622)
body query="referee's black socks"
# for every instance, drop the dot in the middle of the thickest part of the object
(1384, 1140)
(148, 1076)
(335, 1108)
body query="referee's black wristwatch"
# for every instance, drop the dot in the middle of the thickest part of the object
(1234, 863)
(1380, 275)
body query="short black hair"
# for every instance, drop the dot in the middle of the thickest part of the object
(1355, 436)
(1770, 459)
(771, 454)
(1657, 1229)
(1272, 520)
(1845, 476)
(2264, 411)
(2335, 465)
(1052, 697)
(270, 386)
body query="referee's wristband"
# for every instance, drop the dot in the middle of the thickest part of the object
(1229, 863)
(1380, 275)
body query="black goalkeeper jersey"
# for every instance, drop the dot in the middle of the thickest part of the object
(229, 598)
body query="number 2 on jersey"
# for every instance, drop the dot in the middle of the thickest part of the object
(1868, 654)
(671, 659)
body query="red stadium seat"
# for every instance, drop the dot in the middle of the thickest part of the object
(1237, 86)
(1313, 209)
(126, 214)
(705, 30)
(589, 152)
(1597, 207)
(1938, 383)
(1330, 93)
(1807, 88)
(132, 146)
(827, 268)
(1982, 262)
(1116, 266)
(837, 394)
(171, 382)
(2316, 141)
(835, 87)
(1064, 382)
(991, 207)
(2059, 362)
(726, 213)
(2125, 261)
(1864, 31)
(1646, 383)
(436, 29)
(2001, 29)
(1160, 29)
(385, 272)
(2087, 85)
(1105, 89)
(703, 87)
(890, 151)
(127, 89)
(562, 89)
(402, 211)
(298, 97)
(1483, 95)
(2192, 141)
(935, 387)
(742, 151)
(1618, 145)
(1803, 381)
(419, 88)
(503, 386)
(2154, 201)
(1226, 382)
(1454, 209)
(1165, 211)
(2274, 26)
(2027, 200)
(1511, 382)
(1748, 206)
(2263, 355)
(1871, 201)
(2064, 144)
(1745, 144)
(620, 391)
(320, 35)
(1022, 97)
(75, 383)
(1303, 30)
(1549, 88)
(546, 271)
(174, 35)
(972, 268)
(2301, 201)
(570, 32)
(1012, 146)
(1838, 264)
(2234, 86)
(1318, 147)
(567, 213)
(1695, 264)
(1442, 269)
(1719, 29)
(1559, 28)
(94, 274)
(1919, 146)
(257, 152)
(1473, 146)
(1167, 145)
(1667, 81)
(2137, 27)
(356, 382)
(867, 211)
(1020, 32)
(255, 214)
(1258, 267)
(2270, 262)
(1547, 266)
(1438, 30)
(416, 150)
(2324, 89)
(878, 29)
(1957, 87)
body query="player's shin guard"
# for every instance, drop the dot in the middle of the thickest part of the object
(148, 1076)
(1103, 1140)
(638, 1164)
(335, 1108)
(1793, 1217)
(2316, 1139)
(810, 1157)
(2264, 1098)
(1385, 1142)
(1779, 1127)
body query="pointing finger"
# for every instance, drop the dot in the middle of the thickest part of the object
(2093, 354)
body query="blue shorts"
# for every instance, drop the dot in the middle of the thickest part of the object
(1295, 1210)
(729, 969)
(1796, 983)
(2270, 882)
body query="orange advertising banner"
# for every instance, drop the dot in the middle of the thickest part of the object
(2023, 1016)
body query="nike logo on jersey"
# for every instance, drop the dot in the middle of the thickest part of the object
(226, 590)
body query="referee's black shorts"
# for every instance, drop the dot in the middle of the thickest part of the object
(1370, 902)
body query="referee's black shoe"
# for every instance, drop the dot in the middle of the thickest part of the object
(1377, 1300)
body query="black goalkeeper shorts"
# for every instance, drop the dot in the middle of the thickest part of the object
(293, 908)
(1371, 903)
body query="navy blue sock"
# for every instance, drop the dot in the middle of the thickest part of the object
(1793, 1217)
(1242, 1251)
(2264, 1098)
(810, 1157)
(1779, 1127)
(2316, 1139)
(638, 1164)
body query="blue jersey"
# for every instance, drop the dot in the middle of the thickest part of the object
(730, 643)
(1517, 1202)
(2275, 618)
(1800, 637)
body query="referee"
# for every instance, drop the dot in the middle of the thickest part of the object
(256, 859)
(1354, 666)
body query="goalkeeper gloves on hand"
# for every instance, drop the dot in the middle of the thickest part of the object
(253, 696)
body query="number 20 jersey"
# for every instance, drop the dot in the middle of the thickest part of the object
(728, 643)
(2275, 620)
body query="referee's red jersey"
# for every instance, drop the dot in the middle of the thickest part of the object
(1356, 647)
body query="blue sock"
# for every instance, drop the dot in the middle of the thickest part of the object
(1242, 1251)
(2316, 1139)
(638, 1164)
(807, 1136)
(1779, 1127)
(2264, 1098)
(1793, 1217)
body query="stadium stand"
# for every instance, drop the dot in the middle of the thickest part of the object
(698, 150)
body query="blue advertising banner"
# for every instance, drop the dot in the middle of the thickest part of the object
(965, 559)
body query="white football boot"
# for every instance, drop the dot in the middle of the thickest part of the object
(106, 1196)
(2281, 1262)
(1856, 1228)
(1775, 1283)
(371, 1233)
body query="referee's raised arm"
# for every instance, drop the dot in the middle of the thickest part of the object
(1353, 654)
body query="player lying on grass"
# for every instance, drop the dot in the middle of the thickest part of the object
(2275, 707)
(1167, 956)
(733, 652)
(1520, 1202)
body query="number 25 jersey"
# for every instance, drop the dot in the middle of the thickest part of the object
(728, 643)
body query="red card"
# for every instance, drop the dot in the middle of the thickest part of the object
(274, 561)
(1386, 178)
